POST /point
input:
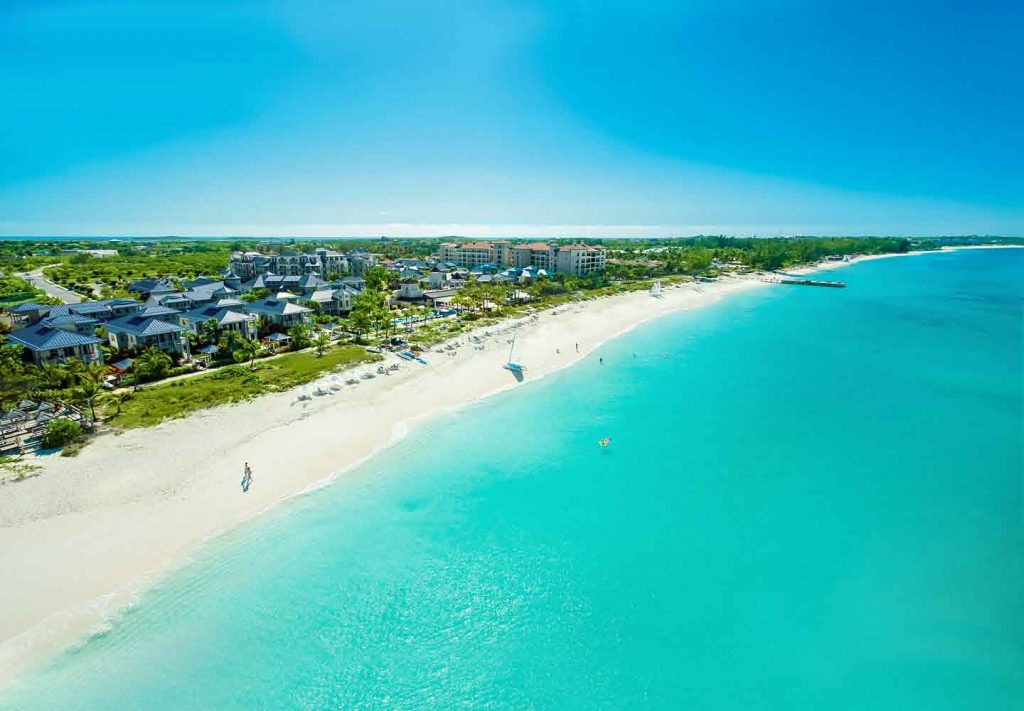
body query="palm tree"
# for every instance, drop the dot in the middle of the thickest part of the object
(231, 341)
(321, 342)
(118, 398)
(247, 351)
(52, 375)
(95, 371)
(87, 390)
(208, 330)
(153, 363)
(73, 367)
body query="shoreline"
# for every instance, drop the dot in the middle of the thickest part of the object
(81, 542)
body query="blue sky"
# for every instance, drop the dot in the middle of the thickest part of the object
(508, 118)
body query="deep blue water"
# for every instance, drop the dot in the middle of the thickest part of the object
(812, 500)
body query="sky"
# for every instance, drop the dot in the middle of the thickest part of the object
(511, 118)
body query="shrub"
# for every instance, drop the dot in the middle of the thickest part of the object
(60, 432)
(71, 449)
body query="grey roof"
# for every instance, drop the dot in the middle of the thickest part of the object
(231, 317)
(150, 284)
(90, 307)
(87, 308)
(76, 319)
(440, 293)
(45, 338)
(123, 364)
(222, 316)
(200, 295)
(152, 311)
(26, 307)
(142, 326)
(207, 350)
(277, 337)
(274, 306)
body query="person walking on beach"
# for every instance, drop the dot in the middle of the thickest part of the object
(577, 347)
(246, 478)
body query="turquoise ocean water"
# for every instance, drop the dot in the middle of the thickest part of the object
(812, 500)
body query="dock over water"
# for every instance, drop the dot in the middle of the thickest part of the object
(812, 282)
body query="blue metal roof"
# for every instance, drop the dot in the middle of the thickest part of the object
(142, 326)
(44, 338)
(26, 307)
(76, 319)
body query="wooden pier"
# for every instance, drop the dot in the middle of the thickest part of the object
(812, 282)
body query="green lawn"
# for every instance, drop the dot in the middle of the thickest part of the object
(154, 404)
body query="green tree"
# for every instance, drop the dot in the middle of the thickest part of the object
(247, 351)
(118, 399)
(153, 363)
(377, 278)
(74, 368)
(16, 379)
(369, 312)
(60, 431)
(52, 376)
(300, 337)
(87, 390)
(321, 342)
(231, 341)
(208, 330)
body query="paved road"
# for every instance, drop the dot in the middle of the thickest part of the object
(35, 278)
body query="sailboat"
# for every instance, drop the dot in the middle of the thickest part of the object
(516, 368)
(656, 290)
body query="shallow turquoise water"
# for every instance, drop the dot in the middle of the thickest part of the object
(813, 500)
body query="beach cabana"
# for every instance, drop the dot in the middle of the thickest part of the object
(205, 354)
(277, 340)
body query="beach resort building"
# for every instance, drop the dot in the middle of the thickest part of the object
(99, 311)
(138, 332)
(535, 254)
(49, 345)
(228, 317)
(323, 262)
(25, 314)
(474, 254)
(579, 259)
(281, 313)
(334, 301)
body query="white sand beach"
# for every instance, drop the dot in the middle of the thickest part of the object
(83, 539)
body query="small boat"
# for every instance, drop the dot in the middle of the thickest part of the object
(604, 442)
(656, 289)
(516, 368)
